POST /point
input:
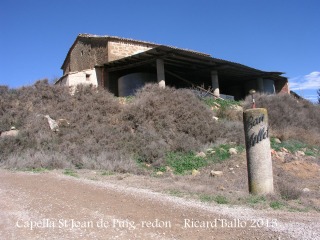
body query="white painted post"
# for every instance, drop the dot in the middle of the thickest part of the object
(215, 83)
(259, 162)
(160, 73)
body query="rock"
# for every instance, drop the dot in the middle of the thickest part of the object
(52, 123)
(277, 140)
(195, 172)
(217, 104)
(237, 166)
(233, 151)
(231, 169)
(222, 188)
(10, 133)
(168, 169)
(148, 165)
(215, 118)
(306, 190)
(216, 173)
(201, 154)
(284, 150)
(280, 156)
(63, 122)
(159, 173)
(210, 151)
(237, 108)
(300, 153)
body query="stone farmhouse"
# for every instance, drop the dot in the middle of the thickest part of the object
(123, 65)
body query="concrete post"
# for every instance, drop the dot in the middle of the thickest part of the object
(259, 162)
(260, 85)
(215, 83)
(160, 73)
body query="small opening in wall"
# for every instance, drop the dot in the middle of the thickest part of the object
(87, 77)
(81, 52)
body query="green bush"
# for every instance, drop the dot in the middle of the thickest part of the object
(221, 152)
(221, 199)
(182, 162)
(227, 108)
(295, 145)
(276, 204)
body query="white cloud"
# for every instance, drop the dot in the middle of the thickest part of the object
(309, 81)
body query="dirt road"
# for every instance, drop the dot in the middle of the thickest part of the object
(53, 206)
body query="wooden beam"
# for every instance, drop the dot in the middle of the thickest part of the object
(187, 81)
(126, 66)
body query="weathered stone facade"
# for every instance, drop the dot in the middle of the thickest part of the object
(91, 50)
(86, 54)
(121, 49)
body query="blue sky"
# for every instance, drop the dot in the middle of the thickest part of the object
(271, 35)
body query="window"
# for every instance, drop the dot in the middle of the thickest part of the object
(87, 77)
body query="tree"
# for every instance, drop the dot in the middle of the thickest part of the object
(319, 96)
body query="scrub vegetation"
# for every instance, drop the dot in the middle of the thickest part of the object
(103, 133)
(290, 118)
(156, 126)
(160, 132)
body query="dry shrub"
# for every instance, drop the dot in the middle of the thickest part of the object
(112, 161)
(172, 120)
(290, 118)
(288, 191)
(102, 133)
(36, 159)
(230, 114)
(90, 112)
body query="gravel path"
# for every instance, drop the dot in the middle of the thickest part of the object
(55, 206)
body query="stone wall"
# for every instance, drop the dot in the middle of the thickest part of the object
(86, 53)
(91, 51)
(282, 86)
(285, 88)
(121, 49)
(85, 77)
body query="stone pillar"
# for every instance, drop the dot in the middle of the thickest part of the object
(259, 162)
(160, 73)
(260, 85)
(215, 83)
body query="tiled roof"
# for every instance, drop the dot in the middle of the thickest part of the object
(87, 35)
(107, 38)
(188, 59)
